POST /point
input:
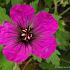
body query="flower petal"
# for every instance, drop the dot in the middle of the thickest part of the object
(8, 33)
(21, 14)
(44, 21)
(17, 52)
(44, 47)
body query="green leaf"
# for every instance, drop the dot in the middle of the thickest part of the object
(4, 64)
(1, 48)
(57, 52)
(3, 16)
(54, 58)
(35, 4)
(44, 65)
(13, 2)
(36, 58)
(47, 9)
(47, 66)
(28, 67)
(48, 2)
(63, 39)
(57, 17)
(61, 25)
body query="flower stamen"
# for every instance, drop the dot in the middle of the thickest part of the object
(26, 34)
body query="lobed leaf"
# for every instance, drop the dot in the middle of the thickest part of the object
(3, 15)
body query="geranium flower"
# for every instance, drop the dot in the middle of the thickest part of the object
(29, 34)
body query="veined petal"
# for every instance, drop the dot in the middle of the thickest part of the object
(45, 22)
(8, 33)
(44, 48)
(21, 14)
(17, 52)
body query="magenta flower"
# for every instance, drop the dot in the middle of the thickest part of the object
(29, 34)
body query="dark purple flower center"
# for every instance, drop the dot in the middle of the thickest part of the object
(26, 34)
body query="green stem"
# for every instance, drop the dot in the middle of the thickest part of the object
(16, 67)
(55, 5)
(65, 11)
